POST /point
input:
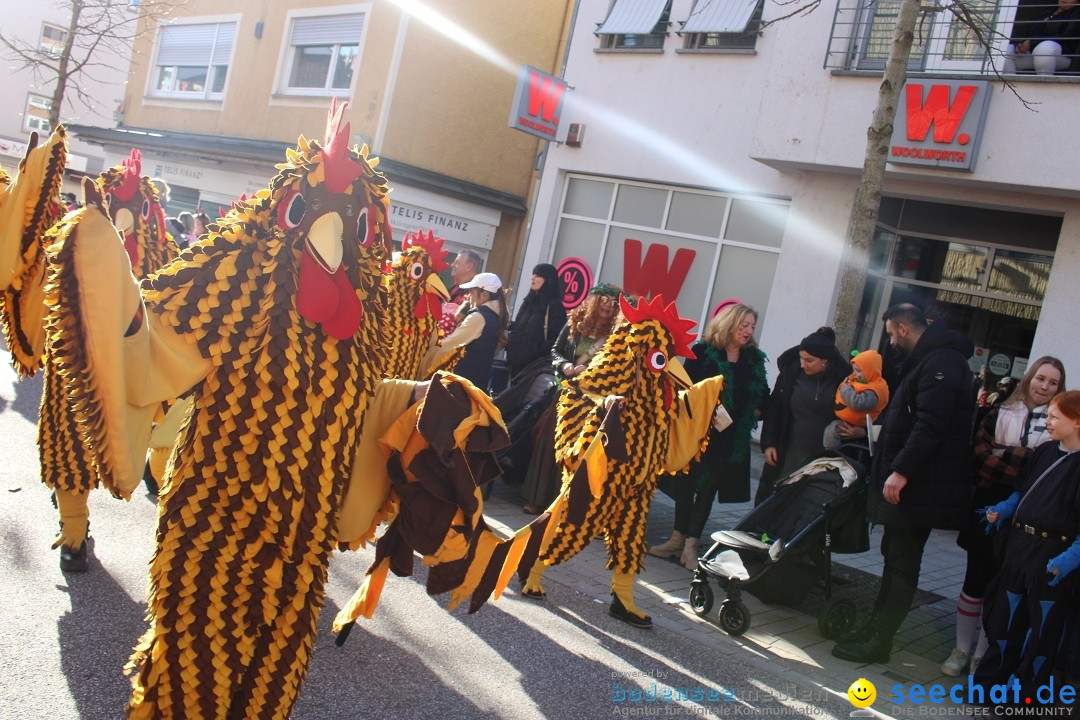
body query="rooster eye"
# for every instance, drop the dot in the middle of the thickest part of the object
(145, 211)
(657, 360)
(291, 211)
(108, 199)
(364, 229)
(416, 271)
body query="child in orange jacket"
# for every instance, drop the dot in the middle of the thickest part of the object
(864, 392)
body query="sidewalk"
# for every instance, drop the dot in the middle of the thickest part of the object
(779, 635)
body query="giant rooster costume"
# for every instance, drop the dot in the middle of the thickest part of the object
(274, 322)
(611, 460)
(135, 209)
(416, 295)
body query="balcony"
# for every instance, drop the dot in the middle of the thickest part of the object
(946, 45)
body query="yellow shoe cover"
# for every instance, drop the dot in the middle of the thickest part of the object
(74, 519)
(532, 586)
(622, 585)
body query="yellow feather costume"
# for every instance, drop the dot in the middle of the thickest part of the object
(415, 298)
(612, 456)
(275, 322)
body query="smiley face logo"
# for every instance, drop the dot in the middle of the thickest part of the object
(862, 693)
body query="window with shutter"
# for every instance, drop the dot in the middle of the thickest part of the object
(193, 60)
(323, 54)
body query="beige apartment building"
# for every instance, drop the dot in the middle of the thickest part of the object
(220, 89)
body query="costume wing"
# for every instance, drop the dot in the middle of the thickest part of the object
(27, 209)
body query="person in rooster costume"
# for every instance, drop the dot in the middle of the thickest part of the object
(415, 297)
(276, 324)
(630, 416)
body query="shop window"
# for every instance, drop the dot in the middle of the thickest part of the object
(756, 221)
(635, 25)
(53, 39)
(746, 274)
(323, 54)
(723, 25)
(635, 205)
(588, 198)
(37, 112)
(697, 214)
(193, 60)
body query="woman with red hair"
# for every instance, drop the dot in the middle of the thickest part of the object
(1033, 598)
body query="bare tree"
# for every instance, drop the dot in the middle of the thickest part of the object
(98, 38)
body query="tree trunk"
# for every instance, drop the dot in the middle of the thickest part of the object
(62, 64)
(864, 212)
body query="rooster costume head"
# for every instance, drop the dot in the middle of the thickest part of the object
(134, 207)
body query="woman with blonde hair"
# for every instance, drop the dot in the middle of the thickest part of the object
(723, 471)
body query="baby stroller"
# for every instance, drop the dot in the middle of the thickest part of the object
(784, 546)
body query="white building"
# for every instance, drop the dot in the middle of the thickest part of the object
(728, 160)
(43, 27)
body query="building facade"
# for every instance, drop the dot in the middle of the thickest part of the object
(94, 95)
(220, 89)
(712, 158)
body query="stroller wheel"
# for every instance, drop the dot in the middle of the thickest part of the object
(701, 597)
(836, 617)
(734, 617)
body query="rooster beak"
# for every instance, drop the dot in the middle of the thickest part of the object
(125, 221)
(435, 285)
(678, 374)
(324, 240)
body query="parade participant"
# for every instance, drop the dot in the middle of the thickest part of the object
(538, 321)
(1034, 596)
(655, 422)
(482, 333)
(277, 321)
(415, 296)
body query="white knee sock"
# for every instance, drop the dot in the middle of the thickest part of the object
(968, 621)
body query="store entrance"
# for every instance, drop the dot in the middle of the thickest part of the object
(979, 276)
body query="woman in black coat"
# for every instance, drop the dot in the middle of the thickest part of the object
(800, 406)
(538, 322)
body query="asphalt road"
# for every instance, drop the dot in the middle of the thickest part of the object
(64, 640)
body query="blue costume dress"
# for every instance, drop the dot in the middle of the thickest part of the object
(1027, 618)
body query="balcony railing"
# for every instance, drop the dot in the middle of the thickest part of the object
(971, 37)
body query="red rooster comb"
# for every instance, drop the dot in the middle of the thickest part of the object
(434, 246)
(131, 171)
(339, 167)
(654, 309)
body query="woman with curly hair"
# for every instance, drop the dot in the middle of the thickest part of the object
(581, 337)
(723, 471)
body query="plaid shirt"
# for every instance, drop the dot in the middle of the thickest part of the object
(1005, 466)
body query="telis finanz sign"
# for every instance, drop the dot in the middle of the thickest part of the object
(939, 123)
(538, 103)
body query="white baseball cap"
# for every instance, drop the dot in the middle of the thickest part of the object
(484, 281)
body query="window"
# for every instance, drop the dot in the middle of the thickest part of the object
(193, 60)
(52, 39)
(37, 112)
(323, 54)
(635, 24)
(723, 24)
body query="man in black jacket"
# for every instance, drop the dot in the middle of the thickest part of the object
(921, 476)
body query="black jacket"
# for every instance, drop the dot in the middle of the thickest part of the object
(527, 339)
(776, 423)
(926, 436)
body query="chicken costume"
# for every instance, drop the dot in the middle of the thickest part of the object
(610, 458)
(416, 295)
(274, 321)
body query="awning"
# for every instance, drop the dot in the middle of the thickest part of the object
(720, 16)
(633, 17)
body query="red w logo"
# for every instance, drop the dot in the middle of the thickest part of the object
(936, 111)
(653, 276)
(544, 96)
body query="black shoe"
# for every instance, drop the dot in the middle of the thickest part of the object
(875, 650)
(619, 612)
(148, 478)
(862, 632)
(74, 560)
